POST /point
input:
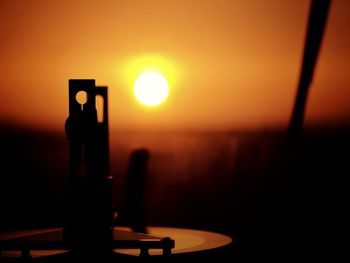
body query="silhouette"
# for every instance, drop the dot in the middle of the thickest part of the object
(88, 234)
(316, 25)
(296, 232)
(133, 212)
(90, 186)
(90, 226)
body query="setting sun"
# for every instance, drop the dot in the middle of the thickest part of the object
(151, 88)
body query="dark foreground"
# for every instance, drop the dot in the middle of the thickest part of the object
(278, 201)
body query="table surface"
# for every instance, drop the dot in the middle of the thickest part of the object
(186, 240)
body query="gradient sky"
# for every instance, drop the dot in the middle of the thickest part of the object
(230, 63)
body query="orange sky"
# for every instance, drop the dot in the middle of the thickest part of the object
(233, 64)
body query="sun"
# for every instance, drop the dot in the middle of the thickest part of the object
(151, 88)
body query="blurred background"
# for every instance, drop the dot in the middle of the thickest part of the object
(219, 158)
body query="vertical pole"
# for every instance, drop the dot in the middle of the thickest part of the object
(316, 25)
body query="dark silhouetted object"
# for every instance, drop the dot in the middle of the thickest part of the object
(89, 235)
(316, 25)
(133, 212)
(90, 188)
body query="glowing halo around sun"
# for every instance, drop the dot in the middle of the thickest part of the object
(151, 88)
(130, 68)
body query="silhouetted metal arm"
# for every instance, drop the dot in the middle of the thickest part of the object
(316, 25)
